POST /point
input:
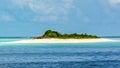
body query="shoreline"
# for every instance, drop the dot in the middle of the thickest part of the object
(53, 40)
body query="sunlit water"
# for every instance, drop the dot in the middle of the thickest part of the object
(89, 55)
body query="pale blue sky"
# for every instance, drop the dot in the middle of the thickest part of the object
(33, 17)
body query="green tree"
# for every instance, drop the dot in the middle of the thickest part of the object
(55, 34)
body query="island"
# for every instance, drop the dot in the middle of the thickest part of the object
(55, 37)
(55, 34)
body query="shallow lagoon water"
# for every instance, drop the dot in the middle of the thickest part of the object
(87, 55)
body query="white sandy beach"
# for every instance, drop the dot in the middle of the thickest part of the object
(62, 41)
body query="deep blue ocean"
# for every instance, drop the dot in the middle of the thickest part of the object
(87, 55)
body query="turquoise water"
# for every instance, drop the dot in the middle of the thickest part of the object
(89, 55)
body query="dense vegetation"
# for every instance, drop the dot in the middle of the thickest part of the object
(54, 34)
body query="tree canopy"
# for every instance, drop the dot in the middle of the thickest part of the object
(55, 34)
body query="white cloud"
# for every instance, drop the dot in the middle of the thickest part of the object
(111, 8)
(114, 2)
(46, 6)
(110, 3)
(46, 9)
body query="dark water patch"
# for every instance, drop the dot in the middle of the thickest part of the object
(87, 64)
(65, 54)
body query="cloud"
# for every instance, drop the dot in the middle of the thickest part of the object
(6, 18)
(46, 6)
(110, 3)
(46, 9)
(114, 2)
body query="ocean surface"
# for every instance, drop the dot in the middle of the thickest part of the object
(87, 55)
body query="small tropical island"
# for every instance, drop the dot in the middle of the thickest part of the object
(55, 37)
(55, 34)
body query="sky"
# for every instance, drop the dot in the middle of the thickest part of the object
(33, 17)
